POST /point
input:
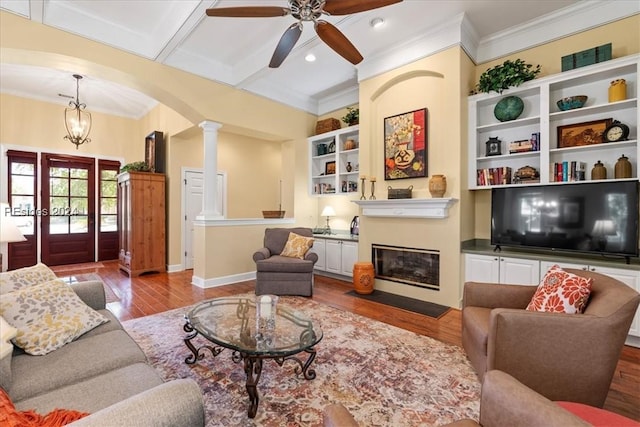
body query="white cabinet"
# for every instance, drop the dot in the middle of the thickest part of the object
(319, 249)
(497, 269)
(630, 277)
(541, 115)
(334, 162)
(338, 256)
(349, 257)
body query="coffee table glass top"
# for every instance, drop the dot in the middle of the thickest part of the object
(231, 323)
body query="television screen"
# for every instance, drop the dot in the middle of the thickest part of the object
(599, 217)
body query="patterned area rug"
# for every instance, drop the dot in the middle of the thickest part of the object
(386, 376)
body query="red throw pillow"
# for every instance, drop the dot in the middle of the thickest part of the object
(10, 417)
(596, 416)
(561, 292)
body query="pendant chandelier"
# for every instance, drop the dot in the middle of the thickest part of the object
(76, 119)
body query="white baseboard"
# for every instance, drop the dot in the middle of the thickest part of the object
(221, 281)
(174, 268)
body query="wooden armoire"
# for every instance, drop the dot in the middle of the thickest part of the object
(142, 225)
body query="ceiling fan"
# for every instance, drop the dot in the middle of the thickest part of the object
(307, 10)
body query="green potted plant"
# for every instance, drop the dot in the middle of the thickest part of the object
(352, 117)
(135, 167)
(503, 76)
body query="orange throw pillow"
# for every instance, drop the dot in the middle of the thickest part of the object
(10, 417)
(561, 292)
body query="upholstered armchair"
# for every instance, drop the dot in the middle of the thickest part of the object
(568, 357)
(505, 401)
(278, 274)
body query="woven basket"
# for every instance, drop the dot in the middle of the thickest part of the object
(327, 125)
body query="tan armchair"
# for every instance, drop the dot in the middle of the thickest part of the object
(568, 357)
(280, 275)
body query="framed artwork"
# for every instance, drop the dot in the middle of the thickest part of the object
(586, 133)
(330, 168)
(154, 152)
(405, 145)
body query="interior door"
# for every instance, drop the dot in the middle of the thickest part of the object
(194, 188)
(68, 204)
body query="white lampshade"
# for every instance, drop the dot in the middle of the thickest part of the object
(604, 227)
(328, 211)
(9, 231)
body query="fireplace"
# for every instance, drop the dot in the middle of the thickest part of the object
(416, 267)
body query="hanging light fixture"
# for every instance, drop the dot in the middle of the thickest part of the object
(76, 119)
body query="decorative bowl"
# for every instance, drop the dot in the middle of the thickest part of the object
(508, 108)
(572, 102)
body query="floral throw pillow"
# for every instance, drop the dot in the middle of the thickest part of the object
(561, 292)
(28, 276)
(47, 316)
(297, 246)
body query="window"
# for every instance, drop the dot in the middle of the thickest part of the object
(22, 190)
(108, 195)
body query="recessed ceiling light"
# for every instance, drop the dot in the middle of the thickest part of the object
(310, 57)
(377, 23)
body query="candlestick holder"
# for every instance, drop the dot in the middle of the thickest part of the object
(373, 190)
(362, 197)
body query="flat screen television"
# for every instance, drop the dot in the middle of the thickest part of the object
(599, 217)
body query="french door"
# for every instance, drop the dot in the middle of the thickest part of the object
(68, 209)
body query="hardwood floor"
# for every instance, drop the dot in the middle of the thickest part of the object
(155, 293)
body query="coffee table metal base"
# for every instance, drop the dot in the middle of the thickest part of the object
(252, 364)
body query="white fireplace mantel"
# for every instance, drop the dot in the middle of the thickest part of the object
(407, 208)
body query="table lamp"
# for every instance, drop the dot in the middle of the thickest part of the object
(9, 231)
(328, 211)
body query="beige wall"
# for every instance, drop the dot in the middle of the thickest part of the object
(40, 125)
(438, 81)
(624, 35)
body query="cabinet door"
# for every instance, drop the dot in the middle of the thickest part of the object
(481, 268)
(318, 248)
(333, 258)
(349, 257)
(546, 265)
(518, 271)
(630, 278)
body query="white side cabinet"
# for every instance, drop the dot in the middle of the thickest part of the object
(319, 249)
(497, 269)
(335, 256)
(630, 277)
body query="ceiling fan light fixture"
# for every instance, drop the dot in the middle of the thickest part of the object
(310, 57)
(376, 23)
(77, 121)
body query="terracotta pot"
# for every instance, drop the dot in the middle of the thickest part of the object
(437, 185)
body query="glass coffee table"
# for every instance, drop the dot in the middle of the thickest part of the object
(231, 323)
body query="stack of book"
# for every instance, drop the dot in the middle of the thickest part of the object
(567, 171)
(526, 145)
(494, 176)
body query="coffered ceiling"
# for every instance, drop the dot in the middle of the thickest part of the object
(236, 51)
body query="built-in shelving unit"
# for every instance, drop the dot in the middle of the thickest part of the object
(541, 115)
(329, 149)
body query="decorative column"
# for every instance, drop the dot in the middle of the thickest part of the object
(210, 210)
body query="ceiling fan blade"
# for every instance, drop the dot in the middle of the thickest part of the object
(338, 42)
(345, 7)
(249, 12)
(286, 43)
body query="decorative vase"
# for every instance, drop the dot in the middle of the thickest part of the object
(404, 156)
(349, 144)
(508, 108)
(623, 168)
(599, 171)
(349, 167)
(437, 185)
(618, 90)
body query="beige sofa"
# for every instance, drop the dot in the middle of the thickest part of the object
(103, 372)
